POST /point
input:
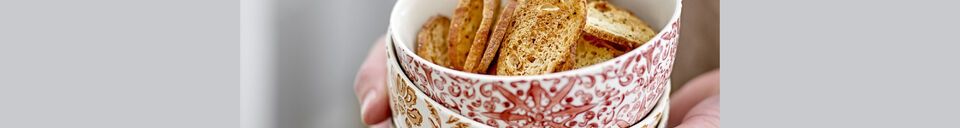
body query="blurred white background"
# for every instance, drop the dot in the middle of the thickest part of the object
(312, 49)
(320, 45)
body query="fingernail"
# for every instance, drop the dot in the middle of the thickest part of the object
(365, 107)
(385, 124)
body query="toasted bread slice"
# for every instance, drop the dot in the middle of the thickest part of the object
(493, 67)
(589, 51)
(432, 40)
(616, 25)
(542, 37)
(482, 53)
(466, 23)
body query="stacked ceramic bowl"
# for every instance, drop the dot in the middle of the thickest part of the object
(630, 90)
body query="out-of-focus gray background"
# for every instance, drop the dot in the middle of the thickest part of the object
(320, 45)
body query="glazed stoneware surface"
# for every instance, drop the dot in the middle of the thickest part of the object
(412, 108)
(614, 93)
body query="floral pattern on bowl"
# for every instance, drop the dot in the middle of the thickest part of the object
(412, 108)
(617, 92)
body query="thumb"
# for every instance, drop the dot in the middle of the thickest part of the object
(370, 85)
(385, 124)
(705, 114)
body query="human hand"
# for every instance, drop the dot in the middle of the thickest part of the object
(697, 104)
(370, 87)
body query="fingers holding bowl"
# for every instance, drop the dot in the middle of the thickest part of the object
(370, 85)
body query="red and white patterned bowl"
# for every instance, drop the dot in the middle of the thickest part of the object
(617, 92)
(412, 108)
(658, 117)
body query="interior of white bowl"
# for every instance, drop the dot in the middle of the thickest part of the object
(408, 17)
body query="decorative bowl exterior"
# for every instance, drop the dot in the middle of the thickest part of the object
(615, 93)
(412, 108)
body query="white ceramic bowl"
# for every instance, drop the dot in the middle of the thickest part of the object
(412, 108)
(410, 105)
(611, 93)
(658, 117)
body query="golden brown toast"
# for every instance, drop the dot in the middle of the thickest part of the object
(432, 41)
(589, 51)
(482, 53)
(467, 23)
(616, 25)
(542, 37)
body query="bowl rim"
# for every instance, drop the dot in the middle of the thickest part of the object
(662, 104)
(423, 96)
(391, 37)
